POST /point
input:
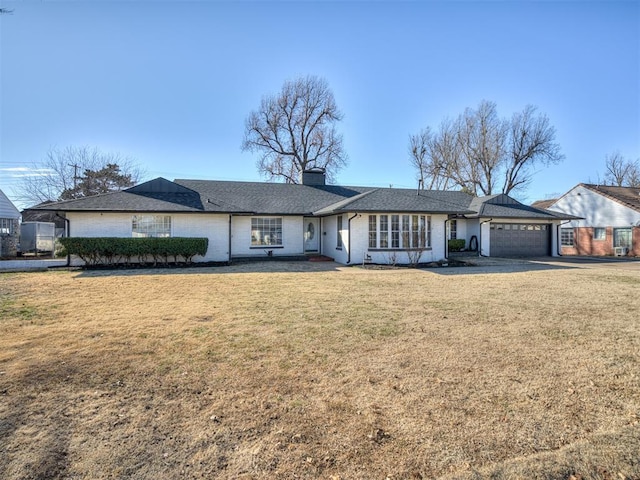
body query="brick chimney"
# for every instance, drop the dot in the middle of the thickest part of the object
(314, 177)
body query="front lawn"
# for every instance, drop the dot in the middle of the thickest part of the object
(324, 372)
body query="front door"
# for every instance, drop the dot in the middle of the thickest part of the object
(311, 235)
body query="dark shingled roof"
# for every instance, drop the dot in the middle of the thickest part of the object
(268, 198)
(503, 206)
(628, 196)
(210, 196)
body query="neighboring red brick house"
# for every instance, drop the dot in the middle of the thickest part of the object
(610, 224)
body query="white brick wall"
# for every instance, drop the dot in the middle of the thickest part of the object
(215, 227)
(292, 237)
(329, 241)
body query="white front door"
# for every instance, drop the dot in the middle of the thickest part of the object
(311, 234)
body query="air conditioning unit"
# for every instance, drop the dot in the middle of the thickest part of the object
(620, 251)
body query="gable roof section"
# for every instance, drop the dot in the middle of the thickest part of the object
(503, 206)
(146, 197)
(7, 208)
(627, 196)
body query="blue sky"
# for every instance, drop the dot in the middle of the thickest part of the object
(170, 83)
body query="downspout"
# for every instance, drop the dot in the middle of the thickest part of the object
(67, 231)
(230, 215)
(558, 239)
(480, 239)
(320, 236)
(349, 238)
(446, 241)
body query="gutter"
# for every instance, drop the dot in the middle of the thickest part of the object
(480, 239)
(67, 233)
(349, 238)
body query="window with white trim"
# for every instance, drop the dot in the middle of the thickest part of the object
(384, 231)
(6, 226)
(566, 237)
(150, 226)
(373, 231)
(402, 232)
(339, 232)
(453, 229)
(599, 233)
(395, 231)
(622, 237)
(266, 231)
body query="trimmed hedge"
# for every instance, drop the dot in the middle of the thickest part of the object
(114, 250)
(456, 245)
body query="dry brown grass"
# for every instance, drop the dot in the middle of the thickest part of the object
(350, 374)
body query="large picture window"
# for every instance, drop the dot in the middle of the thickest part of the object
(151, 226)
(403, 232)
(266, 231)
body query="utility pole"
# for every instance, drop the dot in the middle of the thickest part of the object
(75, 173)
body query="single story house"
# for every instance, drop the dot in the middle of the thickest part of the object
(348, 224)
(9, 227)
(609, 223)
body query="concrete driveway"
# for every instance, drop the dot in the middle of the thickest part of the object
(619, 263)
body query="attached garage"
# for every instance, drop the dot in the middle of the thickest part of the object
(520, 239)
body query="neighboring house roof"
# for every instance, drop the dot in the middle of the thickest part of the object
(161, 195)
(627, 196)
(544, 204)
(7, 208)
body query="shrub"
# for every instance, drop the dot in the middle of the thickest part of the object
(456, 245)
(113, 250)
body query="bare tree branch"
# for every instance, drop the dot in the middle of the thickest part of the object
(478, 148)
(621, 172)
(63, 169)
(294, 131)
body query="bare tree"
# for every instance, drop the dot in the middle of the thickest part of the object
(432, 155)
(481, 139)
(479, 152)
(59, 175)
(295, 131)
(531, 142)
(621, 171)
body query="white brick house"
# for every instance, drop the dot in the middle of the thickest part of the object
(348, 224)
